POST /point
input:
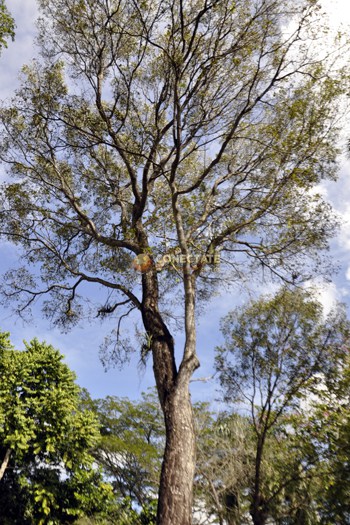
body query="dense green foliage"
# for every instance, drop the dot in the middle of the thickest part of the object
(49, 478)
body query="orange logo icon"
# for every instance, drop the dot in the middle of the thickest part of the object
(142, 263)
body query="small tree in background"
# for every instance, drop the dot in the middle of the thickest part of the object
(131, 445)
(329, 426)
(225, 452)
(278, 351)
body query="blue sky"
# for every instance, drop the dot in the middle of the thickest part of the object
(81, 345)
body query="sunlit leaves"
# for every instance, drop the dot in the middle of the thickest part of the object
(7, 25)
(48, 434)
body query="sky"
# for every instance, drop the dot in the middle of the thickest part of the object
(81, 345)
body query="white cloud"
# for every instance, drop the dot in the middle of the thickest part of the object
(328, 296)
(347, 274)
(344, 234)
(338, 12)
(327, 293)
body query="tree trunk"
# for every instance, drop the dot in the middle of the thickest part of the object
(176, 484)
(258, 508)
(5, 462)
(259, 515)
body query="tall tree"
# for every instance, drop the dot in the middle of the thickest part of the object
(46, 472)
(278, 351)
(151, 128)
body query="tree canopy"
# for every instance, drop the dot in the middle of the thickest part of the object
(93, 163)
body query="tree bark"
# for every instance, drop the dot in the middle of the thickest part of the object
(176, 484)
(5, 463)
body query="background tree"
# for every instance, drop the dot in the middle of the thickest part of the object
(328, 423)
(304, 463)
(225, 452)
(277, 351)
(131, 445)
(7, 25)
(45, 440)
(199, 127)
